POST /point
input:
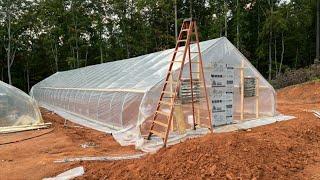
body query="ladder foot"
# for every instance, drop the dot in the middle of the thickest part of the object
(164, 145)
(149, 136)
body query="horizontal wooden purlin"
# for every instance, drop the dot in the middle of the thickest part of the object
(100, 90)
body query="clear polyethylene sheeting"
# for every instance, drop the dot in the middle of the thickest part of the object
(17, 108)
(121, 96)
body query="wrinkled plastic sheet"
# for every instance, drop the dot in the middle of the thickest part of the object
(70, 174)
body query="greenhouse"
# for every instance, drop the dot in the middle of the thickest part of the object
(120, 97)
(18, 111)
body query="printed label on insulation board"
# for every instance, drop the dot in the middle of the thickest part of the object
(222, 83)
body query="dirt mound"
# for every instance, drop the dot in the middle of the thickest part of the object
(301, 93)
(285, 150)
(277, 151)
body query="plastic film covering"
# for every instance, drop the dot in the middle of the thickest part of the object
(17, 108)
(123, 95)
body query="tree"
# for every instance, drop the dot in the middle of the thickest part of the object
(12, 10)
(318, 33)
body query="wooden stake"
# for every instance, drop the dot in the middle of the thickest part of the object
(241, 90)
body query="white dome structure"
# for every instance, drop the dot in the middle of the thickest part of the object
(17, 109)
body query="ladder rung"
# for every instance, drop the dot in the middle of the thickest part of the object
(158, 134)
(194, 52)
(166, 103)
(177, 61)
(160, 123)
(163, 113)
(183, 30)
(168, 92)
(203, 117)
(171, 82)
(197, 108)
(182, 40)
(195, 72)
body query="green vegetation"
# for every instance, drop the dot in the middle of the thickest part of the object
(41, 37)
(299, 76)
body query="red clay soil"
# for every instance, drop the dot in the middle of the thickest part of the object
(284, 150)
(33, 159)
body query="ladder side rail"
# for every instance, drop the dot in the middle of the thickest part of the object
(187, 44)
(202, 76)
(191, 88)
(168, 74)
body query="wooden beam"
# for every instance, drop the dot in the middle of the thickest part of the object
(241, 90)
(11, 129)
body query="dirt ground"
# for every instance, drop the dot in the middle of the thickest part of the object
(284, 150)
(33, 159)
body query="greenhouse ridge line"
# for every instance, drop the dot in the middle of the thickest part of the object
(100, 90)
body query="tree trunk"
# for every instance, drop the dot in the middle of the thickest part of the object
(296, 59)
(270, 46)
(225, 20)
(55, 55)
(275, 55)
(176, 19)
(282, 53)
(77, 53)
(101, 54)
(28, 77)
(86, 61)
(191, 8)
(270, 56)
(2, 75)
(238, 35)
(258, 39)
(9, 48)
(318, 33)
(75, 20)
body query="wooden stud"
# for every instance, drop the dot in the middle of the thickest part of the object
(241, 90)
(257, 97)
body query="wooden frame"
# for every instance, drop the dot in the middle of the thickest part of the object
(257, 88)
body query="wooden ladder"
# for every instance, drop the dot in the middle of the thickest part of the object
(162, 120)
